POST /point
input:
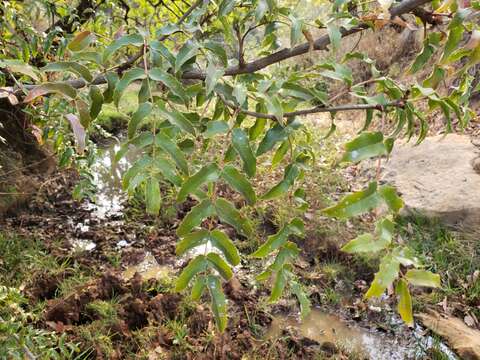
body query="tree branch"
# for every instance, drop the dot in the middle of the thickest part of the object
(318, 109)
(320, 44)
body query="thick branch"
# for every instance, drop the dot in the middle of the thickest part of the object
(320, 44)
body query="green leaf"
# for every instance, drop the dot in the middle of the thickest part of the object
(153, 197)
(216, 127)
(278, 285)
(455, 33)
(356, 203)
(423, 278)
(240, 93)
(222, 242)
(18, 66)
(83, 112)
(48, 88)
(195, 217)
(387, 273)
(138, 166)
(169, 81)
(280, 238)
(273, 136)
(187, 51)
(227, 212)
(274, 107)
(220, 265)
(429, 46)
(195, 266)
(176, 118)
(219, 303)
(173, 150)
(303, 300)
(365, 146)
(261, 10)
(241, 144)
(97, 101)
(369, 243)
(280, 153)
(218, 49)
(389, 195)
(191, 241)
(405, 302)
(81, 41)
(168, 170)
(288, 252)
(295, 30)
(142, 112)
(76, 68)
(213, 75)
(112, 80)
(226, 7)
(335, 35)
(126, 40)
(291, 173)
(128, 77)
(207, 174)
(239, 182)
(198, 287)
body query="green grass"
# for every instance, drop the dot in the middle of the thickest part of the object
(454, 255)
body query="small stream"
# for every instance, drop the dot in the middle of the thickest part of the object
(319, 326)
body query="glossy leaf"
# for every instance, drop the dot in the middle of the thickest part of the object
(48, 88)
(227, 212)
(186, 52)
(387, 273)
(96, 98)
(176, 118)
(356, 203)
(153, 197)
(213, 75)
(173, 150)
(81, 41)
(239, 182)
(372, 243)
(291, 173)
(219, 303)
(142, 112)
(280, 238)
(405, 302)
(195, 266)
(191, 241)
(422, 278)
(365, 146)
(169, 81)
(273, 136)
(390, 197)
(207, 174)
(126, 40)
(128, 77)
(194, 218)
(241, 145)
(76, 68)
(222, 242)
(216, 127)
(198, 287)
(278, 285)
(220, 265)
(303, 300)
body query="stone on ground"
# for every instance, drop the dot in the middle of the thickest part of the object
(439, 178)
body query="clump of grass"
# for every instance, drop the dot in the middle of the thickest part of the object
(455, 255)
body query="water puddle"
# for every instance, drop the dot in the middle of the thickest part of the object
(148, 269)
(107, 176)
(323, 328)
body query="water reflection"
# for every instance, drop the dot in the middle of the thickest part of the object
(324, 327)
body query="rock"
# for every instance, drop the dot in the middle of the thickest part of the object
(438, 178)
(463, 339)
